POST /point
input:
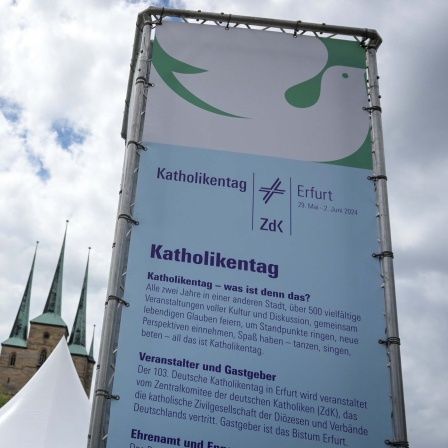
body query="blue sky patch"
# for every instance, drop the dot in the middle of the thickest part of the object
(173, 19)
(162, 3)
(67, 135)
(10, 110)
(42, 172)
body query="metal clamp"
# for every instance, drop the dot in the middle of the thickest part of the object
(399, 443)
(128, 218)
(119, 300)
(386, 253)
(377, 177)
(159, 21)
(106, 394)
(143, 81)
(152, 24)
(228, 22)
(138, 144)
(371, 109)
(297, 28)
(390, 341)
(366, 43)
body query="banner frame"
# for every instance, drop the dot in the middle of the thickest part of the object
(132, 129)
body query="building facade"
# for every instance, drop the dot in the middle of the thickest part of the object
(24, 352)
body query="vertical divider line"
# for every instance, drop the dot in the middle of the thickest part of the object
(290, 205)
(253, 199)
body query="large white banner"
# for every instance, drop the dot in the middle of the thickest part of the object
(256, 304)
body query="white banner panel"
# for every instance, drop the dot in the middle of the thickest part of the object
(256, 304)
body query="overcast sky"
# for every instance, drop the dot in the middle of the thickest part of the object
(64, 67)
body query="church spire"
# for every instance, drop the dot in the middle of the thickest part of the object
(77, 341)
(52, 309)
(19, 332)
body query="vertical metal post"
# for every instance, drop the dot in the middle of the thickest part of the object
(99, 420)
(386, 258)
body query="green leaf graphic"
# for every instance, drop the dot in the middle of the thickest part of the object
(166, 66)
(362, 158)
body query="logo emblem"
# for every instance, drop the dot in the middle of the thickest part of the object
(270, 191)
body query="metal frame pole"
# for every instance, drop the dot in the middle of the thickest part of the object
(386, 257)
(117, 277)
(297, 25)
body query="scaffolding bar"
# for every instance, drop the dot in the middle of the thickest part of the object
(398, 409)
(99, 421)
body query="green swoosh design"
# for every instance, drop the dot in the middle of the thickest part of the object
(166, 66)
(362, 158)
(340, 52)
